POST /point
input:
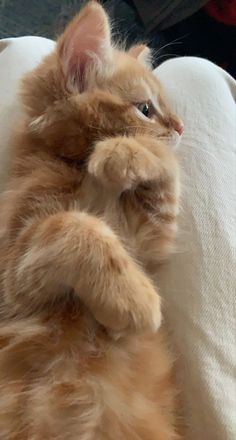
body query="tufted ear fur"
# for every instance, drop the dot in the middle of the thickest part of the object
(84, 49)
(142, 53)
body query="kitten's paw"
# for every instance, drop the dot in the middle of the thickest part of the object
(145, 317)
(145, 307)
(134, 309)
(122, 163)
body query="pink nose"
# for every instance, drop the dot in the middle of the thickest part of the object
(179, 128)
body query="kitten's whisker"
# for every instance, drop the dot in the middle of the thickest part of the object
(138, 128)
(176, 41)
(142, 130)
(164, 55)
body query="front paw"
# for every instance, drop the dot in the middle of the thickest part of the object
(145, 307)
(135, 308)
(121, 163)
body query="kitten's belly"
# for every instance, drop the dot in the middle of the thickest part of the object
(96, 200)
(139, 394)
(61, 384)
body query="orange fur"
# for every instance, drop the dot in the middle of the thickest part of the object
(90, 212)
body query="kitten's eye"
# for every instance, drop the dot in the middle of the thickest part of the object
(144, 108)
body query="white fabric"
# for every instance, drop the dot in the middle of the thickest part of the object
(199, 284)
(17, 56)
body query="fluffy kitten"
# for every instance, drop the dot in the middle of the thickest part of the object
(90, 211)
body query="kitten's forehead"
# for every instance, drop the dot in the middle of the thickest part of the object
(138, 89)
(136, 81)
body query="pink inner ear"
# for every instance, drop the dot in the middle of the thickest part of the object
(136, 51)
(142, 53)
(85, 42)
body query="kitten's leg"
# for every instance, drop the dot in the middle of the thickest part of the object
(76, 251)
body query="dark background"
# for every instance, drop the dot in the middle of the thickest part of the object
(198, 35)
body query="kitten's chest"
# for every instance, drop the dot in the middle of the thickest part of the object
(108, 206)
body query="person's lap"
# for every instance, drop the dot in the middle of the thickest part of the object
(198, 284)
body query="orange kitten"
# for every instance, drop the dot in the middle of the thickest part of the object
(89, 213)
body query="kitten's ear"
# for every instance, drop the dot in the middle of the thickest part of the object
(84, 49)
(142, 53)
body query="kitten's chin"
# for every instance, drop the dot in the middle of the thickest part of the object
(174, 140)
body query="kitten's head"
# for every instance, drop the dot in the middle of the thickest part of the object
(88, 90)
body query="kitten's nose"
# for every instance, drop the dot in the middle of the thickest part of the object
(179, 128)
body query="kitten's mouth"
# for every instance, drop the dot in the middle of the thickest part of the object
(173, 140)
